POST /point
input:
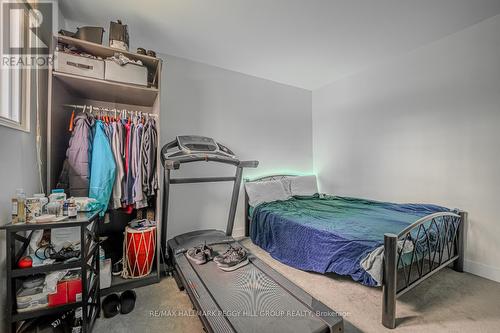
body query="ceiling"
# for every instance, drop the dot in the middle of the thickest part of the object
(303, 43)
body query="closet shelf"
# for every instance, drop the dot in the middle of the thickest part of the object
(104, 51)
(108, 91)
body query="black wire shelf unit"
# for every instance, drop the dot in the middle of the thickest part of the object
(18, 237)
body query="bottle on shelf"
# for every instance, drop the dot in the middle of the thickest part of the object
(72, 209)
(14, 210)
(21, 205)
(65, 208)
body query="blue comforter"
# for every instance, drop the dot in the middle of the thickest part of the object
(331, 234)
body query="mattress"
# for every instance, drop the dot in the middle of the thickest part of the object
(331, 234)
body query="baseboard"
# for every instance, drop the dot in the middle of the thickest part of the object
(488, 272)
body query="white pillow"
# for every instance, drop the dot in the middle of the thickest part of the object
(287, 183)
(304, 185)
(266, 191)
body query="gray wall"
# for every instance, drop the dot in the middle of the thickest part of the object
(18, 165)
(256, 118)
(19, 169)
(421, 127)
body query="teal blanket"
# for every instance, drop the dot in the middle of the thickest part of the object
(331, 234)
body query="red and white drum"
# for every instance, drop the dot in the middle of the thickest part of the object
(139, 251)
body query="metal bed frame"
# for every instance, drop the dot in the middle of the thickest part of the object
(441, 233)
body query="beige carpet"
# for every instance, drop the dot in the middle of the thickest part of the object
(446, 302)
(148, 317)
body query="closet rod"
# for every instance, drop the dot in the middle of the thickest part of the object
(102, 109)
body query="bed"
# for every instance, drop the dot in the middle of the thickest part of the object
(395, 246)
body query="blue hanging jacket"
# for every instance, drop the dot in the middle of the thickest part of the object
(103, 167)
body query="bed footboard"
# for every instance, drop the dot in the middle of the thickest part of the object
(418, 252)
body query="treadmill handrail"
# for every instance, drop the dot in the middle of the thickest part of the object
(173, 162)
(249, 164)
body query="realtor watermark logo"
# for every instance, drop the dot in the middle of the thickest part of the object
(26, 32)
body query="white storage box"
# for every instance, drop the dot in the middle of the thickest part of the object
(128, 73)
(74, 64)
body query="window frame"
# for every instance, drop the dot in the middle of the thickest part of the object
(24, 97)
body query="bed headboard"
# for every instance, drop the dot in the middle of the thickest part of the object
(248, 218)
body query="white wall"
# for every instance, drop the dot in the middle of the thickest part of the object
(422, 127)
(256, 118)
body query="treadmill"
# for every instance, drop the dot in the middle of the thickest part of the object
(254, 298)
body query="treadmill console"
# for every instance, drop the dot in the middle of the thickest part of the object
(192, 144)
(195, 145)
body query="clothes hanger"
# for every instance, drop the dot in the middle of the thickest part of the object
(71, 120)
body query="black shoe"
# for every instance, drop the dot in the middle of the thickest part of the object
(111, 306)
(127, 301)
(117, 268)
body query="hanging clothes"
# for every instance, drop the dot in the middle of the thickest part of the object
(148, 153)
(129, 197)
(103, 167)
(126, 154)
(116, 147)
(119, 170)
(108, 129)
(138, 196)
(79, 155)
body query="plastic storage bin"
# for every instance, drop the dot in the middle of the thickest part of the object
(128, 73)
(74, 64)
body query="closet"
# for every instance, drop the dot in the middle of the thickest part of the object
(67, 94)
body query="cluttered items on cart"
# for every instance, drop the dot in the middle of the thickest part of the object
(55, 208)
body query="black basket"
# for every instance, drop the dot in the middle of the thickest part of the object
(90, 34)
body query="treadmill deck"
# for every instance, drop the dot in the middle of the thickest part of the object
(253, 298)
